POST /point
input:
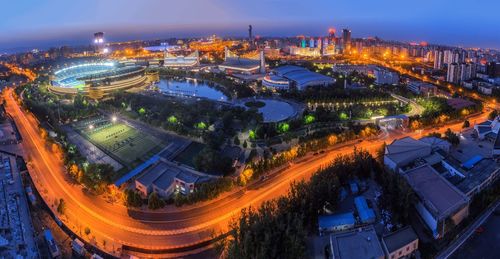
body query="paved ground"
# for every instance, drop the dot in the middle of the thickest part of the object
(483, 245)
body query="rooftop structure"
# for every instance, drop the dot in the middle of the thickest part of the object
(181, 61)
(166, 178)
(403, 151)
(356, 244)
(439, 199)
(400, 243)
(242, 65)
(336, 222)
(366, 214)
(296, 76)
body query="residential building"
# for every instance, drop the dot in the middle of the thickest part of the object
(402, 243)
(385, 77)
(422, 88)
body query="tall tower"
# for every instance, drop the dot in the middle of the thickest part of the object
(99, 41)
(250, 36)
(262, 69)
(346, 38)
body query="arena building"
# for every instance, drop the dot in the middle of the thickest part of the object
(293, 76)
(173, 61)
(234, 64)
(97, 79)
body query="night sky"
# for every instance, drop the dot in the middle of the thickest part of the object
(44, 23)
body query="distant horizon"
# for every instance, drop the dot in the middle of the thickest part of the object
(83, 38)
(31, 24)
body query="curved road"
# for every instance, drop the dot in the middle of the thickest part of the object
(113, 225)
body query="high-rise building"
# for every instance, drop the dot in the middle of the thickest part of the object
(453, 74)
(346, 39)
(460, 72)
(438, 59)
(311, 42)
(250, 36)
(99, 38)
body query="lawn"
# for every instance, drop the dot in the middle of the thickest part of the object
(124, 143)
(187, 155)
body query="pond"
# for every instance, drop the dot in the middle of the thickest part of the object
(190, 88)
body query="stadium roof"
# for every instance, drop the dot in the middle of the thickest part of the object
(439, 196)
(237, 62)
(399, 239)
(112, 73)
(356, 244)
(407, 149)
(301, 75)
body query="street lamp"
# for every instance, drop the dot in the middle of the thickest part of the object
(113, 119)
(91, 127)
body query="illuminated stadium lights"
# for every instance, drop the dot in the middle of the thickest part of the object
(97, 79)
(113, 119)
(109, 64)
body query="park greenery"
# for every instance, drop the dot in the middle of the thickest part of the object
(49, 108)
(278, 228)
(437, 112)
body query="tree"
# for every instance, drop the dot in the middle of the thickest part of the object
(236, 141)
(61, 207)
(493, 115)
(245, 144)
(155, 202)
(466, 124)
(451, 137)
(132, 198)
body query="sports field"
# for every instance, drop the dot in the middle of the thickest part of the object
(122, 142)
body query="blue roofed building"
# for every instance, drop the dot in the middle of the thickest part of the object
(296, 76)
(336, 222)
(366, 214)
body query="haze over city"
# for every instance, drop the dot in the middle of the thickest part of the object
(235, 129)
(30, 23)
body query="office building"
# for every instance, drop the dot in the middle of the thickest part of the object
(346, 39)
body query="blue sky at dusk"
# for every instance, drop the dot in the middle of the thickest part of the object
(43, 23)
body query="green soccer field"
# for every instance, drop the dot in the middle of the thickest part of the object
(125, 143)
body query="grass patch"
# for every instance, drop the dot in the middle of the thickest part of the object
(122, 142)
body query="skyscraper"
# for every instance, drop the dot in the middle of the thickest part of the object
(438, 59)
(346, 39)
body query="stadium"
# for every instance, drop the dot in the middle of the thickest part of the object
(97, 79)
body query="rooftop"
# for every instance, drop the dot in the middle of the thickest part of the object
(327, 221)
(360, 243)
(399, 238)
(301, 75)
(406, 150)
(440, 196)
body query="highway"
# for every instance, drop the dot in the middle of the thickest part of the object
(113, 225)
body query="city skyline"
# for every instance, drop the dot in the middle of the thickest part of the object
(35, 26)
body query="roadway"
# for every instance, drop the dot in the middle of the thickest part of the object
(169, 228)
